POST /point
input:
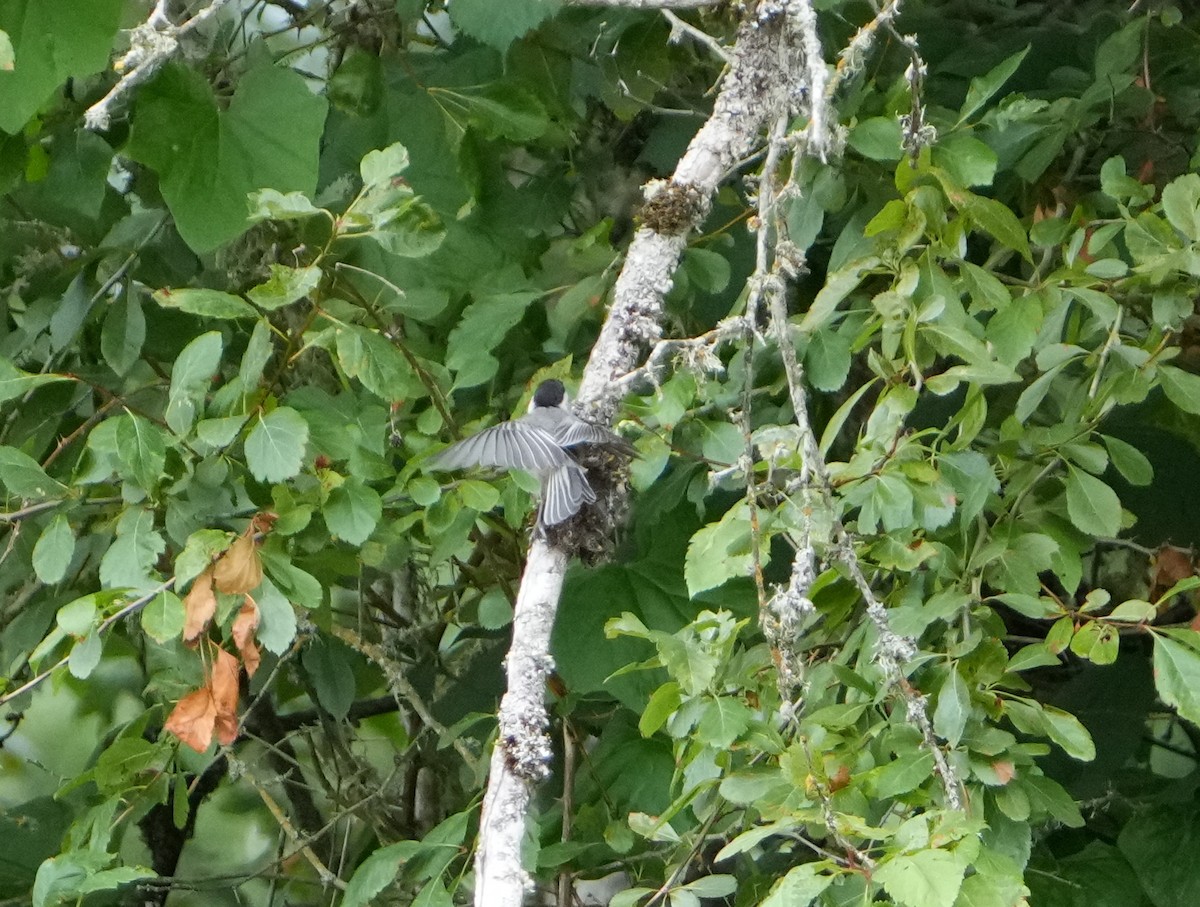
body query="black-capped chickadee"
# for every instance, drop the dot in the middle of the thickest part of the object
(540, 442)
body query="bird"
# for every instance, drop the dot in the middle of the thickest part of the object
(541, 442)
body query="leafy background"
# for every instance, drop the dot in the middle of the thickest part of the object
(332, 237)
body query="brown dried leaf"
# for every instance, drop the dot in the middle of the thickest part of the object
(211, 708)
(1005, 770)
(224, 684)
(193, 718)
(239, 569)
(244, 627)
(199, 607)
(264, 521)
(1170, 565)
(839, 779)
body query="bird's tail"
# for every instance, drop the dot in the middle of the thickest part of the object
(564, 491)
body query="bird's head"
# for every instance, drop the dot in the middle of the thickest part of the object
(549, 394)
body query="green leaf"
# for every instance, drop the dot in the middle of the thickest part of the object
(210, 159)
(287, 285)
(423, 490)
(498, 110)
(1013, 330)
(838, 285)
(277, 618)
(707, 270)
(1177, 671)
(1033, 606)
(479, 496)
(1157, 843)
(495, 610)
(827, 360)
(124, 332)
(1182, 388)
(54, 549)
(687, 662)
(352, 511)
(327, 663)
(928, 878)
(1067, 731)
(973, 479)
(983, 88)
(24, 478)
(878, 138)
(191, 375)
(663, 701)
(162, 617)
(377, 363)
(721, 442)
(719, 552)
(995, 219)
(78, 617)
(1130, 462)
(478, 19)
(275, 447)
(16, 383)
(206, 303)
(906, 772)
(711, 886)
(377, 872)
(85, 655)
(257, 355)
(1181, 204)
(964, 157)
(411, 229)
(953, 709)
(69, 315)
(51, 42)
(380, 167)
(270, 204)
(481, 328)
(142, 449)
(1134, 610)
(1093, 507)
(130, 559)
(722, 722)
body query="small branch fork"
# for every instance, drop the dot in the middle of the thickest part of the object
(151, 44)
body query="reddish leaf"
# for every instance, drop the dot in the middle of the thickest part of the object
(211, 708)
(244, 627)
(1170, 565)
(239, 569)
(199, 607)
(224, 682)
(193, 719)
(1004, 770)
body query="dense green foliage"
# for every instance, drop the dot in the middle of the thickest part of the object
(237, 319)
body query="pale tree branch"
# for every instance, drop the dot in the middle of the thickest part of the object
(680, 29)
(776, 71)
(673, 209)
(151, 44)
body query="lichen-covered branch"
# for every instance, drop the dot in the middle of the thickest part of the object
(673, 209)
(151, 44)
(758, 70)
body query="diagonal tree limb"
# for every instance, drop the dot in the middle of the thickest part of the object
(759, 68)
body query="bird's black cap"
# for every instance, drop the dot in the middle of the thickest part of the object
(549, 393)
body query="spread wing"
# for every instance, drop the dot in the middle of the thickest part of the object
(579, 432)
(564, 491)
(510, 445)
